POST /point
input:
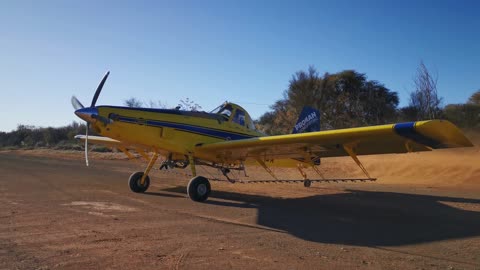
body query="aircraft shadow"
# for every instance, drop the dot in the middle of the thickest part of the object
(363, 218)
(163, 194)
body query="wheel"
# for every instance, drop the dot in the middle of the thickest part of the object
(134, 182)
(198, 189)
(307, 183)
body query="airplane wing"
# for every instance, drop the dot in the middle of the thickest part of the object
(383, 139)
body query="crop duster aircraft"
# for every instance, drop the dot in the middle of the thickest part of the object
(226, 139)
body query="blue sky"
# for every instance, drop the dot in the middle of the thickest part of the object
(212, 51)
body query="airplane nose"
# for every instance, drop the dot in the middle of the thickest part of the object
(88, 114)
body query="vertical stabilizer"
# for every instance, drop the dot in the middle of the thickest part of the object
(308, 121)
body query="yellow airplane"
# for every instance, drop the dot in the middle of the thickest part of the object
(226, 139)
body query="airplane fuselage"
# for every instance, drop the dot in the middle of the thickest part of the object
(167, 131)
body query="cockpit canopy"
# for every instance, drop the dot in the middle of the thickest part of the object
(236, 114)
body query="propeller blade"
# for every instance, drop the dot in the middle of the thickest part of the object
(86, 146)
(76, 103)
(99, 89)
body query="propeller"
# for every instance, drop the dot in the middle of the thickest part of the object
(99, 89)
(86, 145)
(77, 105)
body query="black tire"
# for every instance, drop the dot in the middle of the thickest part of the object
(198, 189)
(307, 183)
(134, 182)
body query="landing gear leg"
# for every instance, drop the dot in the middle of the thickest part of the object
(306, 182)
(350, 149)
(140, 181)
(225, 173)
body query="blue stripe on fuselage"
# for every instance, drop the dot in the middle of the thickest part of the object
(190, 128)
(407, 130)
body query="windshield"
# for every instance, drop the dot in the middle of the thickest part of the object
(240, 117)
(225, 110)
(217, 109)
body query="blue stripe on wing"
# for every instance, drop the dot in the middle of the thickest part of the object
(407, 130)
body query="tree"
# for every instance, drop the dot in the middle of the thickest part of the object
(465, 115)
(280, 120)
(425, 99)
(407, 114)
(344, 99)
(188, 105)
(305, 89)
(157, 104)
(185, 104)
(133, 102)
(475, 98)
(31, 136)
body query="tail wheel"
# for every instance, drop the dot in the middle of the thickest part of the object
(198, 189)
(135, 185)
(307, 183)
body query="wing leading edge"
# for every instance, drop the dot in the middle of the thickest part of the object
(383, 139)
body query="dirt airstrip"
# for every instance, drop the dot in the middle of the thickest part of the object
(423, 212)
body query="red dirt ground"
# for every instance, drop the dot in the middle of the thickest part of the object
(423, 212)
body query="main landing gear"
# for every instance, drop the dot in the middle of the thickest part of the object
(139, 181)
(198, 188)
(135, 182)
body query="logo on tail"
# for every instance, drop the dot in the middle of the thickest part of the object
(308, 121)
